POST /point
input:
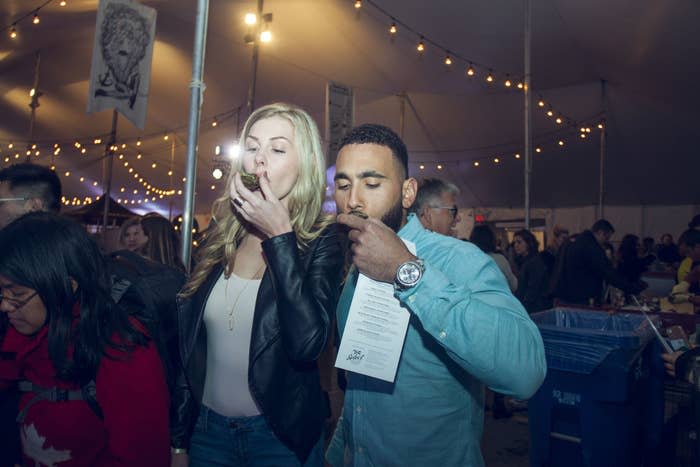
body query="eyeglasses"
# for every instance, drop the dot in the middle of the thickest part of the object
(2, 200)
(17, 304)
(453, 210)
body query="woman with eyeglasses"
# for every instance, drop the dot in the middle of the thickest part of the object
(92, 383)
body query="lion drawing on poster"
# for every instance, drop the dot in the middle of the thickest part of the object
(124, 41)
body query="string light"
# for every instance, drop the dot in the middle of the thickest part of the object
(36, 19)
(550, 113)
(421, 46)
(538, 149)
(62, 3)
(448, 60)
(439, 167)
(507, 83)
(358, 4)
(496, 160)
(517, 156)
(559, 120)
(422, 167)
(489, 78)
(476, 163)
(138, 142)
(540, 103)
(250, 19)
(214, 123)
(13, 32)
(520, 85)
(470, 70)
(392, 29)
(600, 126)
(561, 143)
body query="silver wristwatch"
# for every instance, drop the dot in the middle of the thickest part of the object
(409, 274)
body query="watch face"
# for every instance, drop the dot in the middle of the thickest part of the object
(409, 273)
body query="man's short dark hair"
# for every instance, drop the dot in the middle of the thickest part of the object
(601, 225)
(692, 238)
(429, 191)
(372, 133)
(34, 181)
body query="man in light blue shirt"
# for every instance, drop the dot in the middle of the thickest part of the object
(466, 329)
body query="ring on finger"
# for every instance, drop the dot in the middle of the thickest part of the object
(238, 202)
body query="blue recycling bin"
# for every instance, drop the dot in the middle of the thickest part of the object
(593, 408)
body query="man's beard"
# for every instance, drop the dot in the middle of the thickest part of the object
(394, 216)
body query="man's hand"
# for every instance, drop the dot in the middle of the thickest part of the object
(377, 252)
(670, 362)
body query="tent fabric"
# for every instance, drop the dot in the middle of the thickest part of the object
(646, 52)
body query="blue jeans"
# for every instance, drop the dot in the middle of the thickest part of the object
(242, 442)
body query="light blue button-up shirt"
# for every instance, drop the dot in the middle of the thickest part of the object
(466, 330)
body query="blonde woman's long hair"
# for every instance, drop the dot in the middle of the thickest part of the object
(305, 200)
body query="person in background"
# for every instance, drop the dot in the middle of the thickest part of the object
(648, 249)
(584, 268)
(436, 205)
(162, 245)
(560, 237)
(23, 188)
(131, 235)
(483, 237)
(533, 275)
(667, 251)
(93, 384)
(691, 243)
(684, 251)
(257, 311)
(466, 329)
(630, 262)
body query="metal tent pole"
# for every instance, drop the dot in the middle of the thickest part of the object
(196, 97)
(528, 111)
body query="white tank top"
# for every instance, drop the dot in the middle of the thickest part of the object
(228, 317)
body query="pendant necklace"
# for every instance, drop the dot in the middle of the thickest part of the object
(231, 316)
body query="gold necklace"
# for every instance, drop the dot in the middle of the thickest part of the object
(231, 317)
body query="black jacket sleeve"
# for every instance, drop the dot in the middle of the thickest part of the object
(600, 264)
(306, 297)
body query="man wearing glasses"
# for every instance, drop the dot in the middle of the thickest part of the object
(436, 205)
(23, 188)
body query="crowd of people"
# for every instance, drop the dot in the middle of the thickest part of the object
(135, 358)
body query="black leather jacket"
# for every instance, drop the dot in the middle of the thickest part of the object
(294, 311)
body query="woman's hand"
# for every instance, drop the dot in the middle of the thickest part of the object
(261, 209)
(179, 460)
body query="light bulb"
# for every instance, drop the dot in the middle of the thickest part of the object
(36, 19)
(67, 174)
(583, 135)
(266, 36)
(250, 19)
(550, 113)
(439, 167)
(517, 156)
(214, 123)
(154, 165)
(507, 83)
(165, 137)
(421, 46)
(538, 149)
(138, 142)
(62, 3)
(476, 163)
(520, 85)
(489, 78)
(496, 160)
(358, 5)
(421, 167)
(470, 70)
(600, 126)
(541, 103)
(448, 60)
(561, 143)
(217, 173)
(97, 141)
(558, 120)
(213, 187)
(392, 29)
(13, 32)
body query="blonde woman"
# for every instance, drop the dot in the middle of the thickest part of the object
(256, 312)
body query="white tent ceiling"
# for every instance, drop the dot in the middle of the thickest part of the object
(647, 51)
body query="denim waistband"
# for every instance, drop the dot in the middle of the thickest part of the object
(210, 417)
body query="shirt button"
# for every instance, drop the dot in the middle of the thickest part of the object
(443, 334)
